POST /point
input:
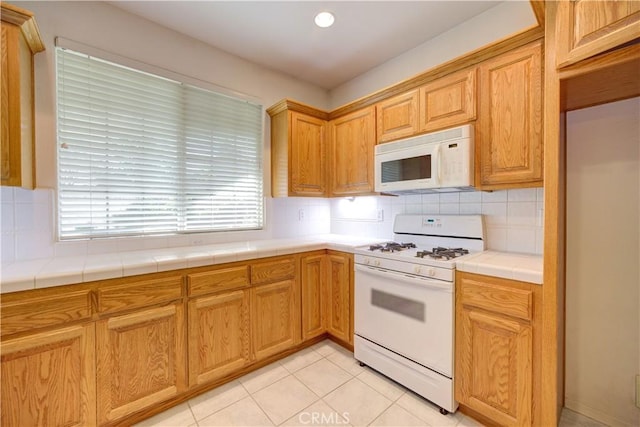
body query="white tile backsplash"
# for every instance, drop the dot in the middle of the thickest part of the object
(514, 220)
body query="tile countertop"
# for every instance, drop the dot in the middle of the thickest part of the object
(522, 267)
(48, 272)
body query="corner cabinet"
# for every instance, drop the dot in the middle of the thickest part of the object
(312, 281)
(20, 41)
(587, 28)
(339, 296)
(353, 138)
(298, 152)
(497, 350)
(509, 146)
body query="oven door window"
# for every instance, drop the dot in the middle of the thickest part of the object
(399, 305)
(407, 169)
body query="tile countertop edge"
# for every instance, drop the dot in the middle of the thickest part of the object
(48, 272)
(514, 266)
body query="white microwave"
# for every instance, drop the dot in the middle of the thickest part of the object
(434, 162)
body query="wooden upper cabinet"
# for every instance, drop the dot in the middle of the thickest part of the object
(397, 117)
(298, 154)
(353, 138)
(448, 101)
(586, 28)
(20, 41)
(509, 145)
(48, 378)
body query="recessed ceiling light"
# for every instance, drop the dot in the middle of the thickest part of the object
(324, 19)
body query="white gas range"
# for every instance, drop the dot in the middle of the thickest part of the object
(404, 301)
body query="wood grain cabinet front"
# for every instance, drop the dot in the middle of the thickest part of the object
(509, 146)
(339, 302)
(448, 101)
(219, 335)
(20, 41)
(141, 360)
(313, 284)
(397, 117)
(585, 28)
(298, 154)
(353, 138)
(48, 378)
(496, 352)
(275, 317)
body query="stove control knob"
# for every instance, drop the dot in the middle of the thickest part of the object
(367, 261)
(432, 272)
(376, 263)
(417, 269)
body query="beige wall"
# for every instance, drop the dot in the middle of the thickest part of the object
(108, 28)
(498, 22)
(603, 249)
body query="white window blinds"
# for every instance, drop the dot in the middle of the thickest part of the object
(141, 154)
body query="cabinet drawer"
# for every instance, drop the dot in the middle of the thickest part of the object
(32, 313)
(139, 294)
(218, 280)
(498, 299)
(271, 271)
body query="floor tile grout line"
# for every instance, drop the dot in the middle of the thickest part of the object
(262, 409)
(215, 397)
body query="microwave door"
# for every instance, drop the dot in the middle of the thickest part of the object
(405, 170)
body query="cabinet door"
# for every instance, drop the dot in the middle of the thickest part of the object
(218, 335)
(586, 28)
(312, 279)
(448, 101)
(509, 125)
(140, 360)
(339, 306)
(49, 378)
(397, 117)
(307, 156)
(352, 142)
(494, 366)
(273, 318)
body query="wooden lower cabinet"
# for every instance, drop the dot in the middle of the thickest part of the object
(219, 335)
(140, 360)
(48, 378)
(495, 347)
(339, 303)
(275, 317)
(312, 279)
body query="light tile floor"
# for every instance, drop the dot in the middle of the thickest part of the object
(322, 385)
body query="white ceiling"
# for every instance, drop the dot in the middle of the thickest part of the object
(281, 35)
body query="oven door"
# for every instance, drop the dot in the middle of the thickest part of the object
(409, 315)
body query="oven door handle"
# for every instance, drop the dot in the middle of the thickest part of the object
(406, 278)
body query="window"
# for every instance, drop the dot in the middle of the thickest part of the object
(140, 154)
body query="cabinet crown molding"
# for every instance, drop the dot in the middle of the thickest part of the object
(27, 23)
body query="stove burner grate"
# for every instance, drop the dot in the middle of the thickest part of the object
(442, 253)
(392, 247)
